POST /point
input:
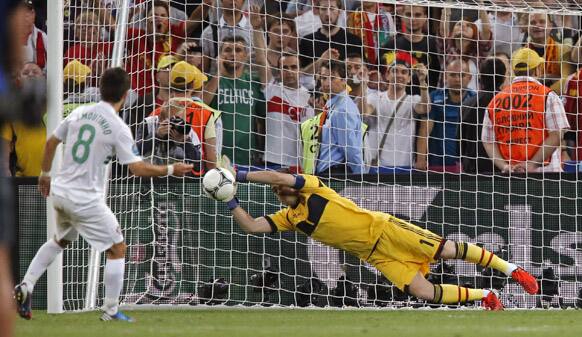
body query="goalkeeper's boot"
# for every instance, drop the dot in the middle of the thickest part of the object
(492, 302)
(23, 299)
(119, 316)
(526, 280)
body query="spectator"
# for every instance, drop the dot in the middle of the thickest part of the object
(198, 140)
(466, 41)
(445, 118)
(233, 22)
(282, 38)
(237, 94)
(392, 136)
(373, 26)
(146, 103)
(287, 107)
(556, 55)
(336, 146)
(26, 140)
(505, 27)
(144, 48)
(308, 21)
(329, 37)
(194, 55)
(34, 41)
(473, 154)
(573, 107)
(423, 47)
(357, 80)
(525, 122)
(89, 47)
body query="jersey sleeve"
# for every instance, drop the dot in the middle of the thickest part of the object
(309, 184)
(61, 131)
(279, 221)
(6, 132)
(124, 147)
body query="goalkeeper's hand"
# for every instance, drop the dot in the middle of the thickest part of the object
(227, 165)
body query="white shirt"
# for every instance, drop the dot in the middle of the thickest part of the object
(555, 118)
(92, 135)
(29, 49)
(507, 35)
(308, 23)
(399, 145)
(286, 109)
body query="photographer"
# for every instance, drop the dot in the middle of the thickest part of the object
(167, 138)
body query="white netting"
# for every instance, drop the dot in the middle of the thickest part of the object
(185, 249)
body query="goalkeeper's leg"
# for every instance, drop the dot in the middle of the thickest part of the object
(451, 294)
(475, 254)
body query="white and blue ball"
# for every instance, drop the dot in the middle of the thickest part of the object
(219, 184)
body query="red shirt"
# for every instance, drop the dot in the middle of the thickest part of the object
(142, 56)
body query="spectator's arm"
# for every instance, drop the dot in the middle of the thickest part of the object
(210, 88)
(105, 15)
(575, 53)
(490, 146)
(422, 107)
(5, 160)
(313, 68)
(485, 24)
(260, 45)
(445, 22)
(198, 15)
(349, 138)
(424, 130)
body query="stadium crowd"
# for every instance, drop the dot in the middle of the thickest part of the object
(323, 86)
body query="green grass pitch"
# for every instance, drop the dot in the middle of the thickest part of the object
(307, 323)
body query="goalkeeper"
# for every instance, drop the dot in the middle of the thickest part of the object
(398, 249)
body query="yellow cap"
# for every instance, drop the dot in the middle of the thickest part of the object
(525, 59)
(166, 61)
(183, 73)
(76, 71)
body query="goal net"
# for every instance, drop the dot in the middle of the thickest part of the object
(413, 72)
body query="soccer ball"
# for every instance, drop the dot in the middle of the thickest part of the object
(218, 184)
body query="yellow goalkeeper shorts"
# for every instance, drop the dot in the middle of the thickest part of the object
(403, 250)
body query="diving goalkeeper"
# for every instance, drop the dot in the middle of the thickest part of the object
(398, 249)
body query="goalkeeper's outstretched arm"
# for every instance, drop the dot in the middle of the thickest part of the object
(246, 222)
(268, 177)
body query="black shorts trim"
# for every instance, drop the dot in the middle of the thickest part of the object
(437, 255)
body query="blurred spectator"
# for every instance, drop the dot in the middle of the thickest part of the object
(392, 137)
(525, 123)
(144, 48)
(341, 141)
(34, 40)
(445, 118)
(556, 55)
(193, 54)
(357, 80)
(491, 79)
(89, 49)
(466, 41)
(237, 94)
(233, 22)
(423, 47)
(287, 107)
(282, 38)
(573, 106)
(308, 21)
(148, 102)
(507, 34)
(329, 37)
(26, 141)
(373, 26)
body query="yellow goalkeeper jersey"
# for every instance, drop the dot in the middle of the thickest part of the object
(331, 219)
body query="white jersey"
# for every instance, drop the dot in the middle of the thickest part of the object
(92, 135)
(286, 109)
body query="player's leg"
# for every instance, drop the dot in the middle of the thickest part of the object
(475, 254)
(113, 279)
(421, 288)
(100, 229)
(44, 257)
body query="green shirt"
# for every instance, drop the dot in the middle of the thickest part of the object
(242, 104)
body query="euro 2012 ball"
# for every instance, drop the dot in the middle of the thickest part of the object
(218, 183)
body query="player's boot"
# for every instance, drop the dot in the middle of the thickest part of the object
(492, 302)
(119, 316)
(23, 299)
(526, 280)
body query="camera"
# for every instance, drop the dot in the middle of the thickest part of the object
(180, 126)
